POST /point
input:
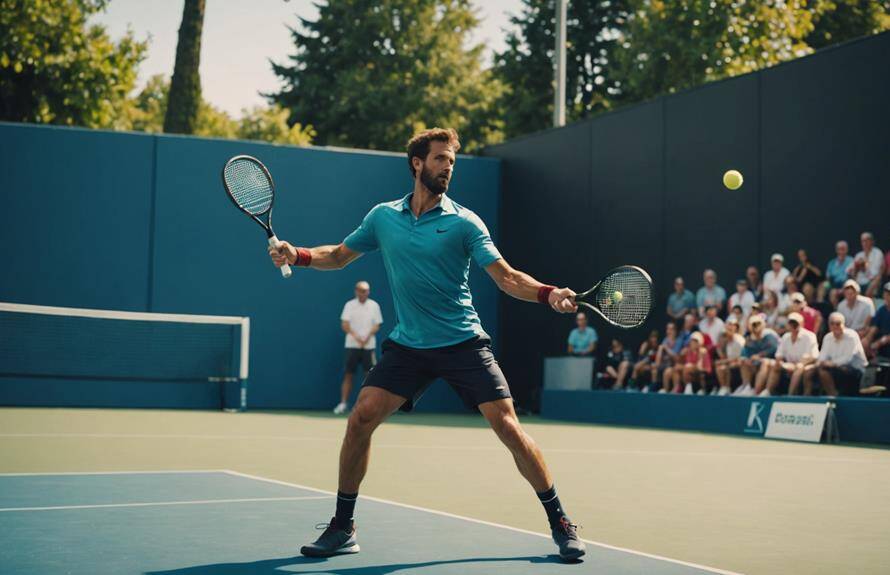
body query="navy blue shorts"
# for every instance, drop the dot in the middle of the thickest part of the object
(468, 367)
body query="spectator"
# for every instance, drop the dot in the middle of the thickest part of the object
(681, 302)
(618, 362)
(689, 322)
(710, 294)
(805, 273)
(769, 307)
(841, 360)
(646, 362)
(754, 282)
(856, 309)
(740, 317)
(729, 355)
(760, 345)
(712, 325)
(887, 266)
(785, 296)
(867, 267)
(667, 355)
(582, 339)
(836, 274)
(812, 319)
(774, 279)
(360, 320)
(742, 297)
(696, 366)
(797, 353)
(878, 339)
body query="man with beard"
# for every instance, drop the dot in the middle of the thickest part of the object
(427, 242)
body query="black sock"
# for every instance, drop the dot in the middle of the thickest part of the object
(345, 509)
(552, 506)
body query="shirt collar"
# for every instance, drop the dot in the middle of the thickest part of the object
(445, 204)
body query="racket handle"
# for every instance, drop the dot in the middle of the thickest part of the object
(285, 269)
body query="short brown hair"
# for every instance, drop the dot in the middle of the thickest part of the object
(419, 145)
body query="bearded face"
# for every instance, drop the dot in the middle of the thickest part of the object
(437, 183)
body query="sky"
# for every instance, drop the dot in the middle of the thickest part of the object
(240, 36)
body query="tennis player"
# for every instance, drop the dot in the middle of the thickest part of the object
(427, 241)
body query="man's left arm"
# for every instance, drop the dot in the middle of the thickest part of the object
(523, 286)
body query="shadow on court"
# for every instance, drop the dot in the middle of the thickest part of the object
(328, 566)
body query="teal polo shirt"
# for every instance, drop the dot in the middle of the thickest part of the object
(427, 261)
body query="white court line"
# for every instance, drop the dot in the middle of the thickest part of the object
(580, 451)
(470, 519)
(162, 503)
(138, 472)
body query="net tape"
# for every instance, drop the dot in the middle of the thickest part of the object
(634, 304)
(249, 185)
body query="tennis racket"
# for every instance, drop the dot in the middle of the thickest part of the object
(623, 297)
(249, 185)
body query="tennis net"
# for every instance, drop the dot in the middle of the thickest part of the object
(90, 344)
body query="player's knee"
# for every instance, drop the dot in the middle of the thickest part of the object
(362, 420)
(508, 430)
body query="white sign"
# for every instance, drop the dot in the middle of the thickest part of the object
(798, 421)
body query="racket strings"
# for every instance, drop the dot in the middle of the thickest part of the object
(625, 297)
(249, 186)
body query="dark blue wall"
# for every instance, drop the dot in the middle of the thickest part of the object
(141, 222)
(858, 420)
(643, 185)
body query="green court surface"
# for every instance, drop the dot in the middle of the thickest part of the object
(185, 492)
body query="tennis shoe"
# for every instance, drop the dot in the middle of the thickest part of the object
(341, 408)
(565, 535)
(334, 541)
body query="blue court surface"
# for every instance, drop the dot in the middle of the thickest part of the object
(209, 522)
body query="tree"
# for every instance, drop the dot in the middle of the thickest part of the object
(842, 20)
(526, 66)
(676, 44)
(369, 74)
(268, 124)
(56, 69)
(185, 88)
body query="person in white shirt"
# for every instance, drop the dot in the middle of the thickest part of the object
(743, 297)
(360, 320)
(774, 279)
(868, 265)
(856, 309)
(711, 324)
(841, 360)
(729, 354)
(797, 354)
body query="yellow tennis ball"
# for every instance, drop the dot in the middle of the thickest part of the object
(733, 180)
(617, 296)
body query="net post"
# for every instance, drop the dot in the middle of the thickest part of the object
(244, 363)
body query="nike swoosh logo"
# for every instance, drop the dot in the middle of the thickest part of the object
(438, 231)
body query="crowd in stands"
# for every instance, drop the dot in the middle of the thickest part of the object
(808, 330)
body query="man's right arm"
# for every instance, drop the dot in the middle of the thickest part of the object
(320, 258)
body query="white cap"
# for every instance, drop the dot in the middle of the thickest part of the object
(794, 316)
(852, 284)
(697, 336)
(777, 256)
(798, 297)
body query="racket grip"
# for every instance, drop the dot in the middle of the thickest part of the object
(285, 269)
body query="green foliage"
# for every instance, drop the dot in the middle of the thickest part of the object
(526, 66)
(676, 44)
(185, 88)
(842, 20)
(370, 73)
(55, 68)
(269, 124)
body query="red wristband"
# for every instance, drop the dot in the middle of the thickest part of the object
(544, 293)
(304, 257)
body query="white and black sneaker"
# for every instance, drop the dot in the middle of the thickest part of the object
(565, 534)
(334, 541)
